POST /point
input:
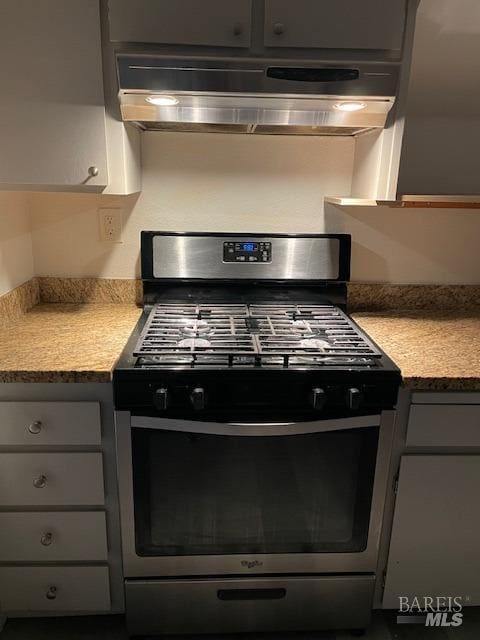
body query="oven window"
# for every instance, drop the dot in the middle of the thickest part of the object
(201, 494)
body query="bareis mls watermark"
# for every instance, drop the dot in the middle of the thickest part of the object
(438, 611)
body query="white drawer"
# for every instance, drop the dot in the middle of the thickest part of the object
(41, 479)
(53, 537)
(444, 425)
(49, 423)
(40, 589)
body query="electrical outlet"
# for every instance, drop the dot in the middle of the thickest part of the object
(110, 225)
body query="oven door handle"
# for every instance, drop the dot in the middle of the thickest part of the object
(255, 428)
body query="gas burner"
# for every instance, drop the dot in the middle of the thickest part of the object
(159, 361)
(333, 361)
(253, 335)
(300, 326)
(194, 343)
(314, 343)
(193, 327)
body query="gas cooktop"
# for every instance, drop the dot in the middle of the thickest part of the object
(251, 335)
(249, 325)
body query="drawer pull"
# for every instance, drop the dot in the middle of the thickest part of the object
(40, 482)
(35, 427)
(51, 593)
(47, 539)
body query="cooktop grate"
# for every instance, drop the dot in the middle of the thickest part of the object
(252, 335)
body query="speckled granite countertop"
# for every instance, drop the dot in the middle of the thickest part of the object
(435, 350)
(65, 342)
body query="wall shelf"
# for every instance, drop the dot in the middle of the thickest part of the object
(411, 202)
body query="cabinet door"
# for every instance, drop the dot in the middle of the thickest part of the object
(337, 24)
(52, 115)
(434, 548)
(440, 152)
(215, 23)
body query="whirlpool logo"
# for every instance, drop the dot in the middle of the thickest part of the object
(250, 564)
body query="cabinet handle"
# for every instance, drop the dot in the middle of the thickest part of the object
(40, 481)
(35, 427)
(237, 29)
(46, 539)
(51, 592)
(92, 171)
(278, 28)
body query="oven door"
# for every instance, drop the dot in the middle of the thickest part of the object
(251, 498)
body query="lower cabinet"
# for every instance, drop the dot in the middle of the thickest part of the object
(59, 529)
(435, 538)
(435, 544)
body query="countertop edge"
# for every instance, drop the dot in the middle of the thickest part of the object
(56, 376)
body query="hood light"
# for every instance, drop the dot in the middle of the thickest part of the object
(162, 101)
(349, 106)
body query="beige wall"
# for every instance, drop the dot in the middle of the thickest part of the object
(198, 182)
(205, 182)
(16, 261)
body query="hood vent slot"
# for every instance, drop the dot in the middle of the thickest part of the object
(255, 129)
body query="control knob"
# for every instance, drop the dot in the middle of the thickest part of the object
(354, 399)
(161, 399)
(197, 398)
(318, 398)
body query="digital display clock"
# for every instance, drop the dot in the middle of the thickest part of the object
(245, 251)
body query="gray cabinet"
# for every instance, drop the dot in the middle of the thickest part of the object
(54, 131)
(58, 536)
(42, 479)
(339, 24)
(214, 23)
(434, 539)
(59, 521)
(442, 125)
(52, 120)
(434, 549)
(50, 423)
(444, 425)
(54, 589)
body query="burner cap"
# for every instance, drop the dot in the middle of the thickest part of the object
(301, 326)
(194, 343)
(314, 343)
(193, 327)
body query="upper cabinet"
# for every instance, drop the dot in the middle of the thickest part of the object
(437, 162)
(342, 24)
(376, 25)
(54, 130)
(440, 154)
(213, 23)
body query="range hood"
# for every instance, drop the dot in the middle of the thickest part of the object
(237, 95)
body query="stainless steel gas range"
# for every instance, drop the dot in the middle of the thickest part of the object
(254, 425)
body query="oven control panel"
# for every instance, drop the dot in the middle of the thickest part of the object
(247, 251)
